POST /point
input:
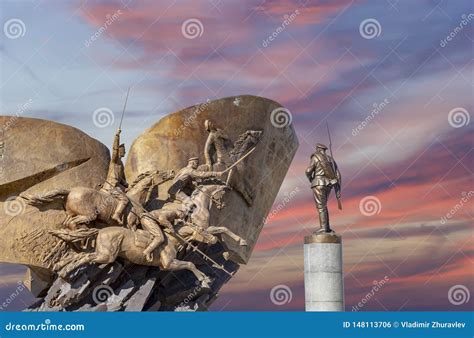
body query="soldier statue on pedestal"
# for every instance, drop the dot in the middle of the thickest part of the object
(323, 175)
(323, 268)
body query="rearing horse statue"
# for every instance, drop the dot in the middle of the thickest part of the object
(203, 198)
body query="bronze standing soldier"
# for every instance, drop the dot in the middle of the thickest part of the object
(323, 175)
(115, 183)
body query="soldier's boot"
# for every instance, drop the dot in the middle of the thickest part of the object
(118, 213)
(324, 220)
(327, 228)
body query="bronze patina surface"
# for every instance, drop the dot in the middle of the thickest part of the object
(190, 199)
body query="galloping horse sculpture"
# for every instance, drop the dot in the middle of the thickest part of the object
(113, 242)
(84, 205)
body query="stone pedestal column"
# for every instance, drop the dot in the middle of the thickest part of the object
(323, 277)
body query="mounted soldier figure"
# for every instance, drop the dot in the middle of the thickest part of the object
(115, 183)
(187, 179)
(179, 206)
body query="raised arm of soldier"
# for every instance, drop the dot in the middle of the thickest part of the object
(115, 158)
(200, 174)
(116, 168)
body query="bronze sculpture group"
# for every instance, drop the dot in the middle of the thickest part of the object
(115, 221)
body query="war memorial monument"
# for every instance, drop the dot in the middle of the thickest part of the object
(166, 228)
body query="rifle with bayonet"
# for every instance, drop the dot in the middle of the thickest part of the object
(337, 188)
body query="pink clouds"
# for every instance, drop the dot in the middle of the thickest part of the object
(314, 12)
(408, 156)
(229, 52)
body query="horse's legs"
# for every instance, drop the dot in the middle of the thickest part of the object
(223, 230)
(107, 248)
(80, 219)
(63, 262)
(176, 264)
(69, 217)
(167, 261)
(67, 220)
(101, 256)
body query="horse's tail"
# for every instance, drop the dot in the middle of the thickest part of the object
(72, 236)
(56, 194)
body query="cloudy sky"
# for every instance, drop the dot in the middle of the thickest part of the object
(394, 80)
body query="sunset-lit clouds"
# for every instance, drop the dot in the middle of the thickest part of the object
(319, 66)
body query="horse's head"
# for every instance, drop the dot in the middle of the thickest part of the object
(144, 182)
(161, 177)
(140, 187)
